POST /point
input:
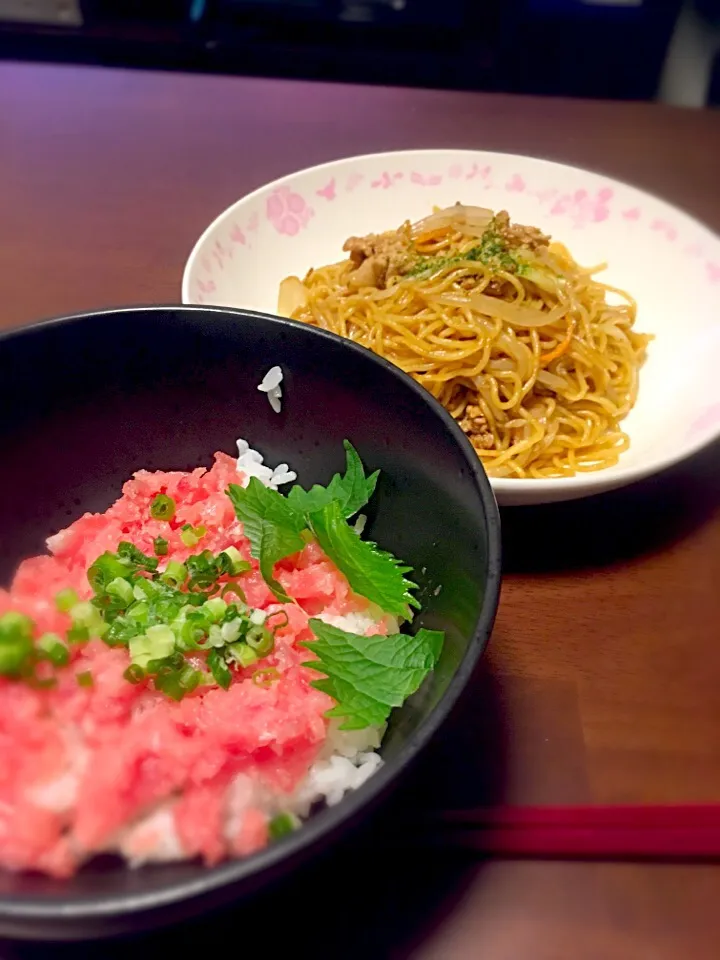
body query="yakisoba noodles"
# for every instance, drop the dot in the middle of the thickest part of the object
(515, 339)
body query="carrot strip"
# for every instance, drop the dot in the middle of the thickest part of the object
(560, 349)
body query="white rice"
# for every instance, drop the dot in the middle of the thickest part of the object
(250, 462)
(347, 759)
(270, 384)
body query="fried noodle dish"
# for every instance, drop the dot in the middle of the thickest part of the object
(536, 359)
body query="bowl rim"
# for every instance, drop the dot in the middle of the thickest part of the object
(591, 481)
(73, 911)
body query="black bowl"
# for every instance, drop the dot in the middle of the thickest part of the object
(87, 400)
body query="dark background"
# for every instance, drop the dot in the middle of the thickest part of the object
(586, 48)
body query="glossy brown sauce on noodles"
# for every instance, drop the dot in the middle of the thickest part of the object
(536, 359)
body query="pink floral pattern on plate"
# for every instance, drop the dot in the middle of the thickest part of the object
(665, 228)
(426, 180)
(237, 235)
(384, 181)
(328, 191)
(220, 254)
(713, 272)
(583, 207)
(288, 212)
(707, 421)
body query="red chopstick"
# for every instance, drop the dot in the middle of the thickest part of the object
(662, 832)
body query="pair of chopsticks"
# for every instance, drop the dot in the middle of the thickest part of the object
(689, 832)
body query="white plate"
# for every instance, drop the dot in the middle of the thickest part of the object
(666, 259)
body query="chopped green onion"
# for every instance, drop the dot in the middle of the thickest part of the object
(203, 568)
(138, 613)
(202, 585)
(128, 551)
(231, 561)
(242, 654)
(231, 631)
(222, 674)
(167, 681)
(233, 612)
(66, 600)
(216, 608)
(258, 617)
(192, 635)
(195, 599)
(261, 640)
(120, 632)
(160, 546)
(176, 683)
(163, 637)
(84, 679)
(175, 574)
(16, 646)
(54, 649)
(107, 567)
(282, 824)
(15, 625)
(78, 634)
(175, 661)
(199, 618)
(121, 589)
(277, 626)
(233, 588)
(134, 674)
(201, 563)
(190, 678)
(84, 614)
(189, 536)
(156, 643)
(162, 507)
(266, 677)
(143, 589)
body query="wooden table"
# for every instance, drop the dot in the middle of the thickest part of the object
(603, 675)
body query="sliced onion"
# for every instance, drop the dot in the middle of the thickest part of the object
(545, 280)
(501, 365)
(517, 316)
(292, 296)
(457, 215)
(514, 314)
(551, 380)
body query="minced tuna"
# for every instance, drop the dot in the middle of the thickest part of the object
(98, 764)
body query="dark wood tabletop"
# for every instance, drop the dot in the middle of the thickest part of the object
(602, 679)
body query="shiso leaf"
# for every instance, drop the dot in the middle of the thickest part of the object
(351, 491)
(271, 525)
(370, 571)
(369, 676)
(279, 526)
